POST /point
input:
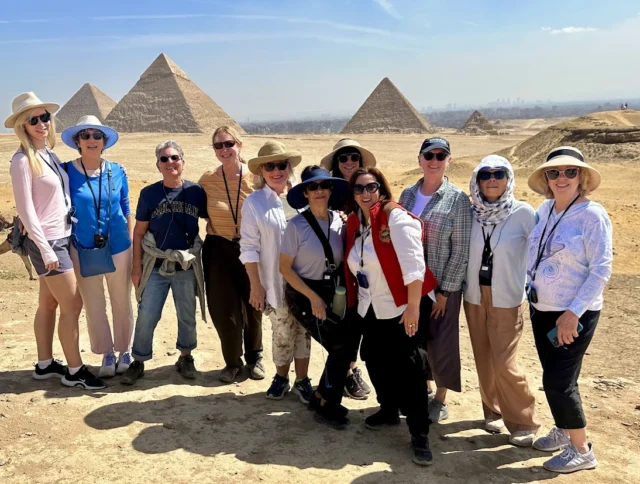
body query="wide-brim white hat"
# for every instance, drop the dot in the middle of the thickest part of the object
(89, 122)
(367, 157)
(26, 102)
(562, 156)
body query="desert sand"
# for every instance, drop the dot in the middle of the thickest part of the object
(166, 429)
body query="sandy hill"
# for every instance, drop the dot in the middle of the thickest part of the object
(88, 100)
(166, 100)
(386, 110)
(477, 124)
(605, 136)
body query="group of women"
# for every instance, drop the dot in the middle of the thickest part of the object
(332, 257)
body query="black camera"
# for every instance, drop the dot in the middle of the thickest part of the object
(99, 241)
(486, 271)
(363, 282)
(533, 295)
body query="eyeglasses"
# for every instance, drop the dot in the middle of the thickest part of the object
(486, 175)
(569, 173)
(323, 185)
(353, 156)
(85, 135)
(45, 118)
(164, 159)
(218, 145)
(272, 166)
(443, 155)
(369, 187)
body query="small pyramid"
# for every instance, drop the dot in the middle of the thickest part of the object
(477, 124)
(165, 100)
(386, 110)
(89, 100)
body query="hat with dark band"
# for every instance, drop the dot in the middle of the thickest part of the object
(562, 156)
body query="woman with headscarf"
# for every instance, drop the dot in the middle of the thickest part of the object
(494, 295)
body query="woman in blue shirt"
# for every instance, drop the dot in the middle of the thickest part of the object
(99, 193)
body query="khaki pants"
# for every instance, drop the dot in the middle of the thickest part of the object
(495, 333)
(92, 291)
(290, 339)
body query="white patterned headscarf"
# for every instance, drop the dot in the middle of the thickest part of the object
(492, 213)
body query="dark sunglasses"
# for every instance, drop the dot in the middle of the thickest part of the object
(354, 157)
(438, 156)
(164, 159)
(369, 187)
(84, 135)
(569, 173)
(272, 166)
(218, 145)
(486, 175)
(45, 118)
(323, 185)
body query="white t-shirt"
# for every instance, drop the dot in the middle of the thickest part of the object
(421, 202)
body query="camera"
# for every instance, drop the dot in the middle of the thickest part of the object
(533, 295)
(363, 282)
(99, 241)
(486, 271)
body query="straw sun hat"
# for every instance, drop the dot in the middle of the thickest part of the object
(26, 102)
(367, 157)
(273, 151)
(562, 156)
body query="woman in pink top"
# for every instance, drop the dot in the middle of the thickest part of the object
(41, 191)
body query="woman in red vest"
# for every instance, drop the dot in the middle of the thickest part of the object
(387, 277)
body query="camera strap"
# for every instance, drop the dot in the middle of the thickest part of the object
(96, 203)
(487, 252)
(542, 246)
(57, 171)
(234, 214)
(326, 244)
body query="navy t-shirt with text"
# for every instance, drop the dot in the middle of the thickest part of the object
(172, 213)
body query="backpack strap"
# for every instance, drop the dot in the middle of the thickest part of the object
(315, 226)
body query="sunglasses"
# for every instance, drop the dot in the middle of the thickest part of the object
(282, 166)
(323, 185)
(353, 156)
(569, 173)
(45, 118)
(84, 135)
(164, 159)
(218, 145)
(486, 175)
(438, 156)
(369, 187)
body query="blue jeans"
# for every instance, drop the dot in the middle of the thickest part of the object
(183, 287)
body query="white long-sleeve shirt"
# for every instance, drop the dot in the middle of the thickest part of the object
(577, 260)
(406, 237)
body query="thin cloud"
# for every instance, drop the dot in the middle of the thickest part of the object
(466, 22)
(569, 30)
(388, 7)
(148, 17)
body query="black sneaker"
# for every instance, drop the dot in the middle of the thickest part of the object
(186, 367)
(279, 388)
(55, 370)
(381, 418)
(83, 379)
(332, 416)
(361, 381)
(353, 389)
(135, 371)
(303, 389)
(314, 404)
(421, 451)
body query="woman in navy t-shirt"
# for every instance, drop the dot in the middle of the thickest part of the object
(99, 193)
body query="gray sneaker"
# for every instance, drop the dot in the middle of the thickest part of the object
(556, 439)
(229, 374)
(571, 460)
(257, 370)
(438, 411)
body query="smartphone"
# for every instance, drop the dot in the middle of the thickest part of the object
(553, 335)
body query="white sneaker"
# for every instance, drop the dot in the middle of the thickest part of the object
(123, 362)
(494, 425)
(522, 438)
(108, 368)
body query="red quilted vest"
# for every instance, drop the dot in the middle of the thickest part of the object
(379, 218)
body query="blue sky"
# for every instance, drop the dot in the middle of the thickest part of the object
(281, 58)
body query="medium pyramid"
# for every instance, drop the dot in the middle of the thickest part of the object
(166, 100)
(477, 124)
(89, 100)
(386, 110)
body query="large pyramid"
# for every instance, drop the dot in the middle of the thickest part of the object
(88, 100)
(166, 100)
(477, 124)
(386, 110)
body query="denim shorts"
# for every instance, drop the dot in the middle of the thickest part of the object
(60, 247)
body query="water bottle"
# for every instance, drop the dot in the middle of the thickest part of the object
(339, 304)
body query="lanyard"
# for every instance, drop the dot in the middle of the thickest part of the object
(362, 237)
(97, 204)
(233, 214)
(56, 170)
(541, 246)
(487, 252)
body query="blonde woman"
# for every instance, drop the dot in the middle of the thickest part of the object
(41, 191)
(227, 285)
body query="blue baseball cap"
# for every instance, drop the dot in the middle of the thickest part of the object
(431, 144)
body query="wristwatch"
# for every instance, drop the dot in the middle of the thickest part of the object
(444, 293)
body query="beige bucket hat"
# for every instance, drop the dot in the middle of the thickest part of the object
(367, 157)
(562, 156)
(273, 151)
(25, 102)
